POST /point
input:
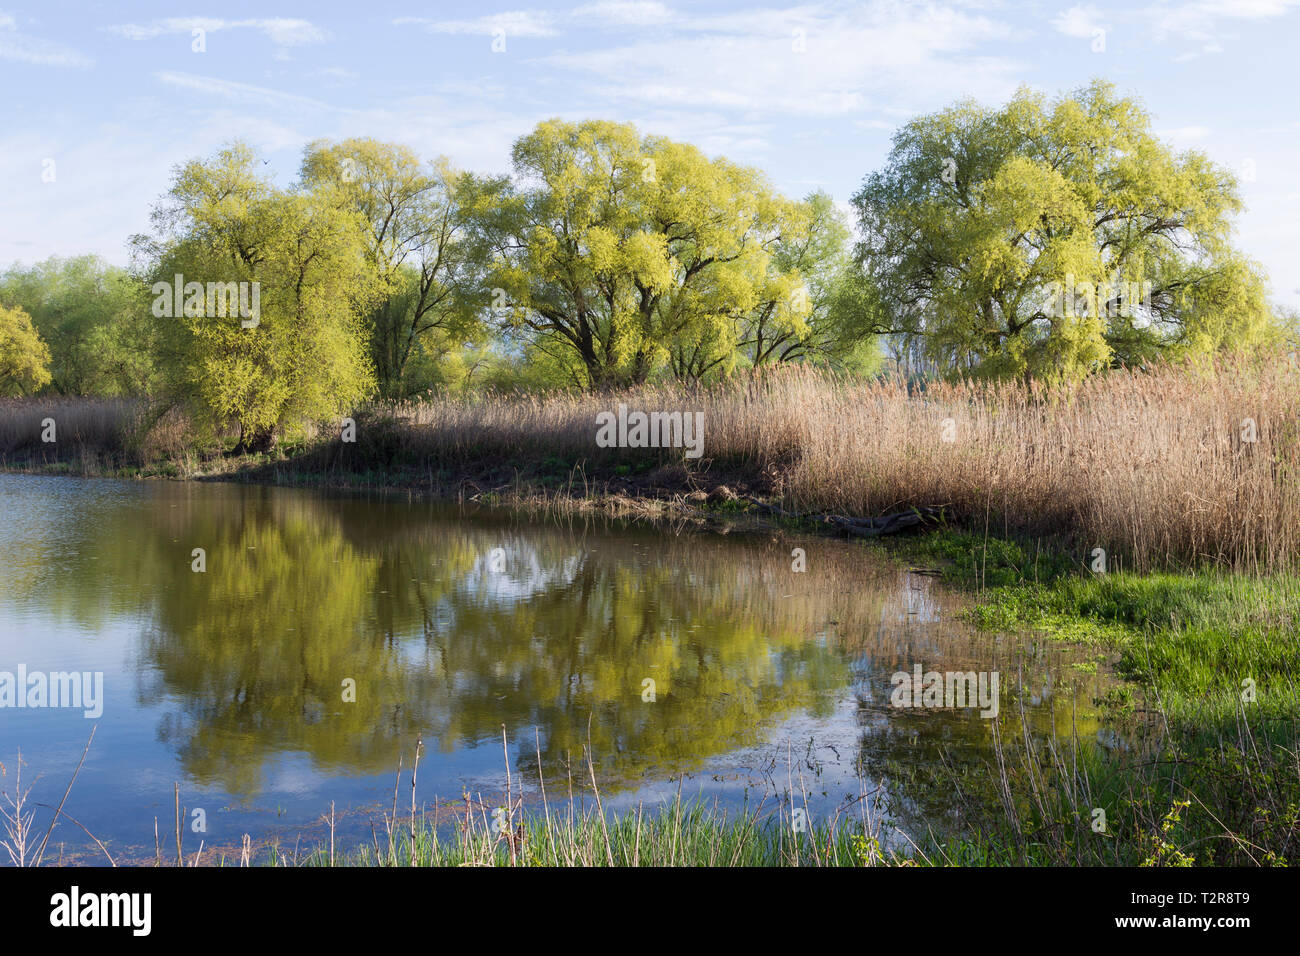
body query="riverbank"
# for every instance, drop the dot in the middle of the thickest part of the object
(1202, 764)
(1168, 468)
(1151, 517)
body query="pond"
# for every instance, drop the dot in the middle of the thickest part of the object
(274, 651)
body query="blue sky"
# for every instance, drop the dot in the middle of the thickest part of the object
(104, 99)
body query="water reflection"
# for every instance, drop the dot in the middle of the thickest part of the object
(450, 626)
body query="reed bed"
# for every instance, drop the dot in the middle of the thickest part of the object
(1171, 466)
(97, 424)
(96, 436)
(753, 421)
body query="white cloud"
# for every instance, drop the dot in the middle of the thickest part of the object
(336, 73)
(90, 206)
(22, 48)
(281, 31)
(515, 23)
(636, 13)
(232, 90)
(1200, 20)
(545, 23)
(1184, 135)
(1079, 21)
(809, 61)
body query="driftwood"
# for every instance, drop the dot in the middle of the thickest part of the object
(862, 527)
(886, 524)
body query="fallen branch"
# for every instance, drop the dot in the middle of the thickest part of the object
(862, 527)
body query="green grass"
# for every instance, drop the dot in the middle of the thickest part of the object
(1193, 638)
(679, 834)
(1209, 710)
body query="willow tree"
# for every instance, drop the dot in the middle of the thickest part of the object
(299, 257)
(24, 357)
(1052, 238)
(416, 243)
(616, 248)
(838, 320)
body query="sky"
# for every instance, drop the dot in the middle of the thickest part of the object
(100, 101)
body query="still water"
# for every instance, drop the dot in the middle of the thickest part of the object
(326, 633)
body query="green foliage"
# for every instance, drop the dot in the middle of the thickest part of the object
(636, 251)
(91, 315)
(304, 358)
(1017, 241)
(24, 358)
(534, 366)
(1160, 850)
(1041, 239)
(989, 562)
(837, 310)
(417, 240)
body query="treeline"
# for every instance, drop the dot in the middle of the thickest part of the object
(1042, 239)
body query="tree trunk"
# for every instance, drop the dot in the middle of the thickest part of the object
(256, 440)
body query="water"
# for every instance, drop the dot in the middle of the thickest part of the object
(328, 632)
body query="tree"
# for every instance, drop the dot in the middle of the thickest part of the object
(297, 259)
(1050, 239)
(416, 242)
(841, 316)
(90, 314)
(24, 358)
(619, 247)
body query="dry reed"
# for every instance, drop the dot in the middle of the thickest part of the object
(1174, 465)
(1168, 466)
